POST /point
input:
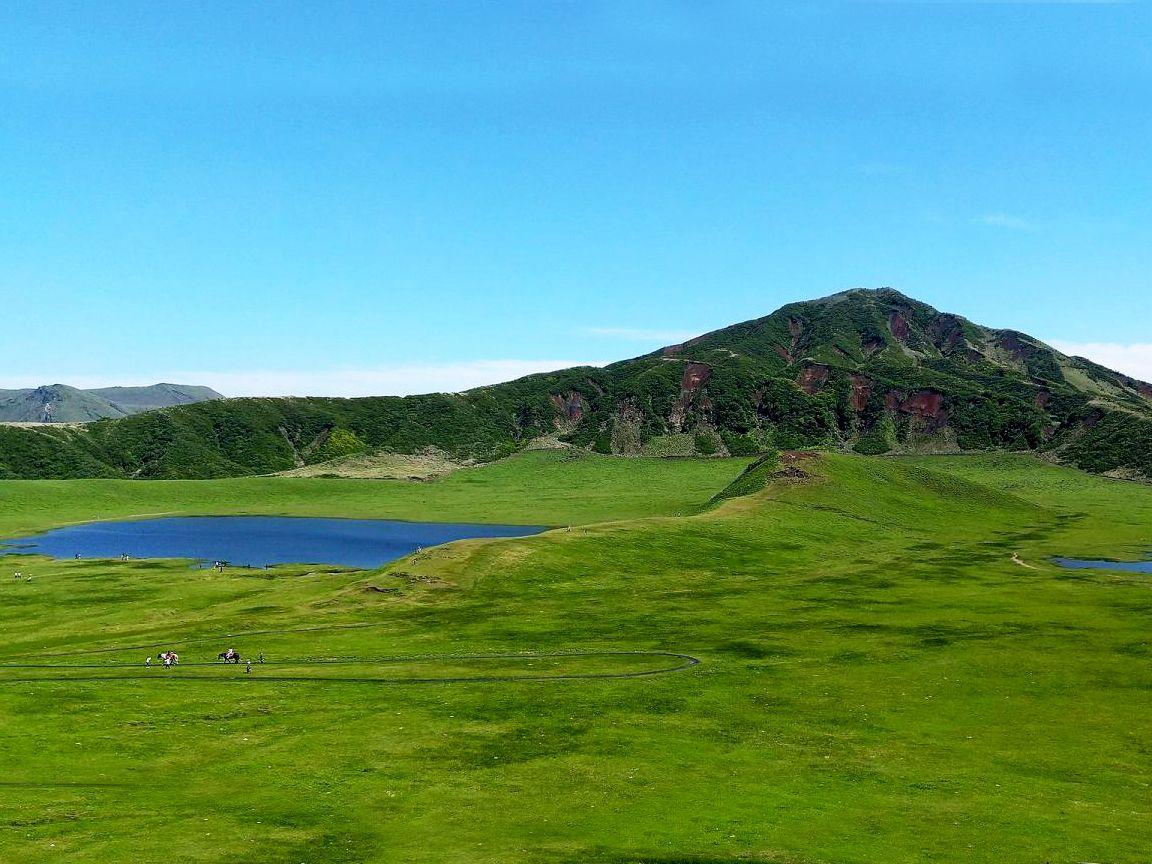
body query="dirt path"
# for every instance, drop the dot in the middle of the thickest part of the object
(679, 663)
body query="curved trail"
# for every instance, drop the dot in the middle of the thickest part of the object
(200, 640)
(682, 662)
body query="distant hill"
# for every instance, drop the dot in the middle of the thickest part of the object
(59, 403)
(867, 370)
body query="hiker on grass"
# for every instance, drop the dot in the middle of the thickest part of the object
(167, 661)
(248, 667)
(148, 662)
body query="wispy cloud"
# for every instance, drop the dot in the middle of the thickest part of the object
(634, 334)
(1134, 358)
(399, 380)
(1004, 220)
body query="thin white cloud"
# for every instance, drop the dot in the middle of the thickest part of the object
(1133, 359)
(634, 334)
(1004, 220)
(402, 379)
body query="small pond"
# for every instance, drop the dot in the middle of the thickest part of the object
(256, 540)
(1126, 566)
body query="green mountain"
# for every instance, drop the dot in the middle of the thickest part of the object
(59, 403)
(869, 370)
(133, 400)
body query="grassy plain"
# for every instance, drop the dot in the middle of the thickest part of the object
(880, 680)
(550, 487)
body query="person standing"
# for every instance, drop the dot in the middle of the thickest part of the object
(248, 667)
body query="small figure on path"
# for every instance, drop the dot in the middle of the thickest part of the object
(167, 661)
(261, 657)
(148, 662)
(248, 667)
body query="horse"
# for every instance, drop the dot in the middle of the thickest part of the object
(229, 656)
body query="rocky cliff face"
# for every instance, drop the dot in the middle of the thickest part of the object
(875, 370)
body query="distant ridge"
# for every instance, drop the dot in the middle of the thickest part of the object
(869, 370)
(59, 403)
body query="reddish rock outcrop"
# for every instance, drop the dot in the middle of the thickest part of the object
(570, 408)
(695, 375)
(1042, 399)
(1010, 342)
(861, 390)
(927, 406)
(924, 403)
(947, 333)
(812, 378)
(898, 324)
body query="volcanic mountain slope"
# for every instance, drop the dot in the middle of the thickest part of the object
(870, 370)
(59, 403)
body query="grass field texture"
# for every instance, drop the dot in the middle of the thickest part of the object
(890, 671)
(535, 488)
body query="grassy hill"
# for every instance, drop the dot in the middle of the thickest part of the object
(59, 403)
(879, 680)
(871, 371)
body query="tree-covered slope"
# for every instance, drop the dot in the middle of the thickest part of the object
(873, 371)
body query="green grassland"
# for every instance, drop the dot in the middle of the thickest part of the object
(550, 487)
(880, 680)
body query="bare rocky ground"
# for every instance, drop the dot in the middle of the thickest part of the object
(425, 465)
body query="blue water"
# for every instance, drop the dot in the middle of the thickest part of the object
(256, 540)
(1126, 566)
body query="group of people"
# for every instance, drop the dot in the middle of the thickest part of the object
(168, 658)
(233, 656)
(171, 658)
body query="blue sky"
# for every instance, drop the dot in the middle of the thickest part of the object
(388, 197)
